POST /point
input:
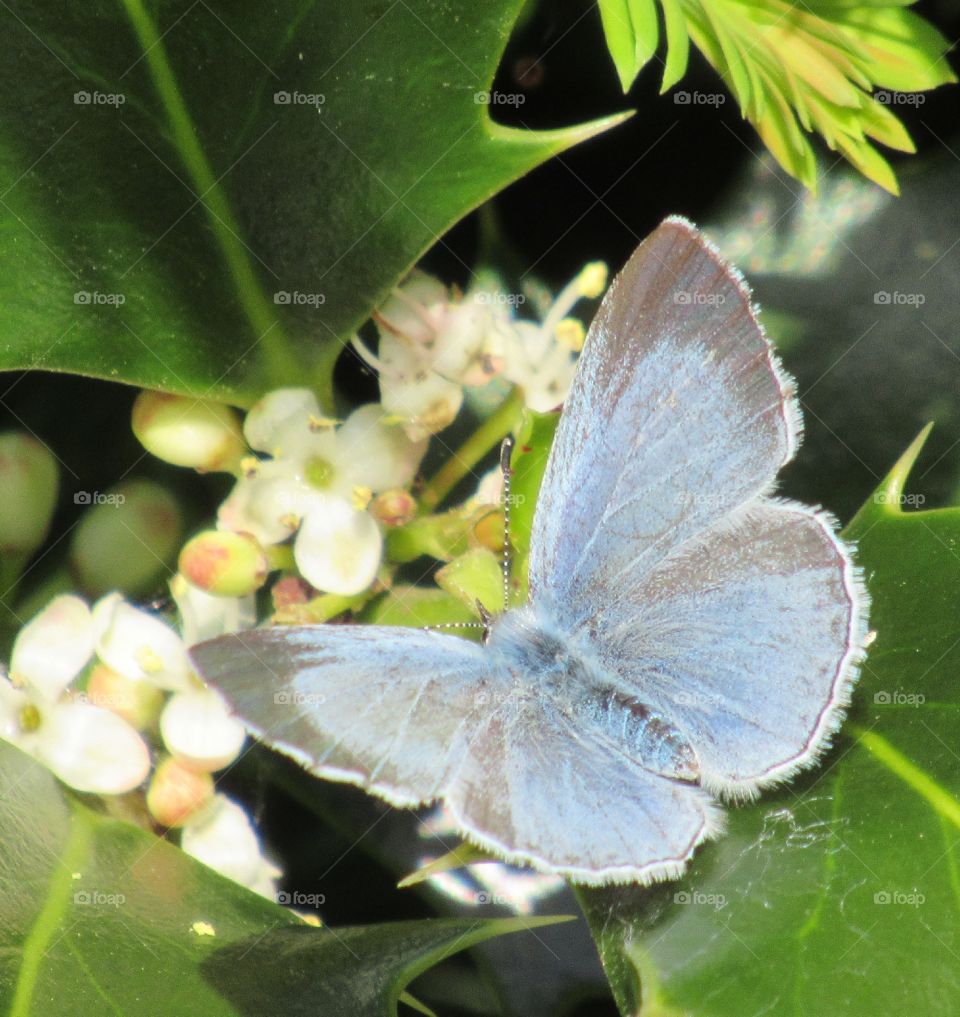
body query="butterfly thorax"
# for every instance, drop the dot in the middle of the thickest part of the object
(530, 647)
(540, 659)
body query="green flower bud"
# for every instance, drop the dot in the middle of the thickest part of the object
(225, 564)
(126, 539)
(190, 432)
(28, 492)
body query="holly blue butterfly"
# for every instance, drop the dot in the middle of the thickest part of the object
(688, 637)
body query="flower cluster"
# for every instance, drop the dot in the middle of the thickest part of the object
(434, 343)
(97, 694)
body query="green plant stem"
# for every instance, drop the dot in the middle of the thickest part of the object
(489, 434)
(282, 366)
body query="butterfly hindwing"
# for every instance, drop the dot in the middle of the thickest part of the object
(747, 638)
(574, 804)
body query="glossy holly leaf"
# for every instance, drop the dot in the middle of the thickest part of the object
(838, 895)
(209, 198)
(98, 916)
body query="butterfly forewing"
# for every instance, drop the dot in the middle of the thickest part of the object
(678, 414)
(390, 709)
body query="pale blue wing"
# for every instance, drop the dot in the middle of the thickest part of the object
(536, 788)
(389, 709)
(747, 638)
(678, 413)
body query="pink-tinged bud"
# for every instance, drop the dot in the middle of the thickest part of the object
(125, 539)
(177, 793)
(394, 507)
(138, 702)
(190, 432)
(28, 492)
(225, 564)
(291, 592)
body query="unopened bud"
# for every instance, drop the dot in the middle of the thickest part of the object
(125, 539)
(138, 702)
(28, 492)
(190, 432)
(177, 792)
(290, 592)
(488, 531)
(394, 507)
(225, 564)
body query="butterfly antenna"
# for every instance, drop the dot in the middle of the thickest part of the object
(486, 618)
(506, 450)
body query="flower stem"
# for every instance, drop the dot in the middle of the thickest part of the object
(489, 434)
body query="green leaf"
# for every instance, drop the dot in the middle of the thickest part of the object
(621, 39)
(534, 439)
(99, 917)
(456, 858)
(160, 198)
(678, 44)
(791, 66)
(907, 54)
(839, 894)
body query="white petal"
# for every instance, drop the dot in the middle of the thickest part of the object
(543, 368)
(138, 645)
(374, 454)
(92, 749)
(470, 349)
(415, 309)
(224, 838)
(268, 505)
(53, 648)
(198, 728)
(338, 549)
(278, 417)
(204, 616)
(427, 404)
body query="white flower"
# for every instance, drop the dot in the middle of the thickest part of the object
(318, 484)
(198, 729)
(139, 645)
(88, 747)
(196, 726)
(223, 837)
(433, 342)
(541, 359)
